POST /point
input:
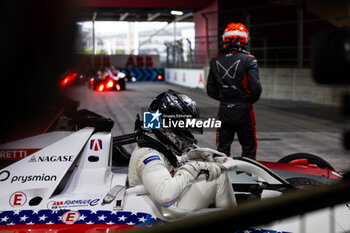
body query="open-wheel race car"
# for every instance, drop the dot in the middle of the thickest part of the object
(77, 181)
(108, 80)
(72, 78)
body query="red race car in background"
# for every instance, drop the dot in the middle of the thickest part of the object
(72, 78)
(108, 79)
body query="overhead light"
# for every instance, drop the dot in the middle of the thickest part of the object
(176, 12)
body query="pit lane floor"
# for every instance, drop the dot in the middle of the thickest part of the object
(284, 127)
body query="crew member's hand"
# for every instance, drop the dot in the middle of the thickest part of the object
(204, 154)
(196, 168)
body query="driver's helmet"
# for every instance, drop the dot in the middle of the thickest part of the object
(235, 36)
(177, 105)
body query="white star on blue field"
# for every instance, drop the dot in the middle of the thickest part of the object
(156, 115)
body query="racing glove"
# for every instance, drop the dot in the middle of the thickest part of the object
(204, 154)
(211, 170)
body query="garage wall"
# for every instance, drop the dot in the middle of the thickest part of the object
(278, 83)
(298, 85)
(200, 50)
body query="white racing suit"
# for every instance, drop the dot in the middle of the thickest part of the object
(178, 188)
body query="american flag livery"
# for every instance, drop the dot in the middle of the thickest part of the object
(33, 217)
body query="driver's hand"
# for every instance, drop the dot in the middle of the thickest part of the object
(203, 154)
(195, 168)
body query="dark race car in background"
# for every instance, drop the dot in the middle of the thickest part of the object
(108, 79)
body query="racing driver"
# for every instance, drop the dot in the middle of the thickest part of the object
(234, 81)
(167, 162)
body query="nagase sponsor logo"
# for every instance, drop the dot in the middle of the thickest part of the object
(52, 205)
(52, 158)
(31, 178)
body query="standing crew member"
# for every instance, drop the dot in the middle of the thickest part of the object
(234, 81)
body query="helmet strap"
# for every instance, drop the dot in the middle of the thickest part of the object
(164, 138)
(146, 141)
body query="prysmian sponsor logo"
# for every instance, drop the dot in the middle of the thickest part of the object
(191, 123)
(52, 205)
(31, 178)
(52, 158)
